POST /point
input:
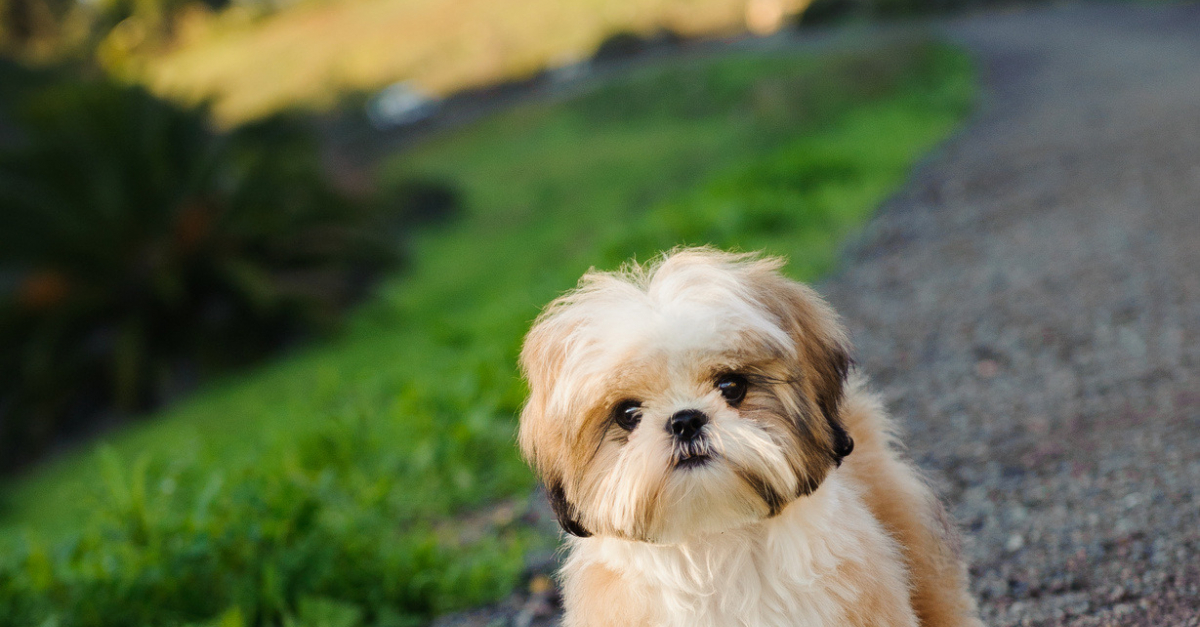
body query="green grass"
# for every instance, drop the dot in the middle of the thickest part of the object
(334, 482)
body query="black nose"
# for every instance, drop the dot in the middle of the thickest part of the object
(685, 425)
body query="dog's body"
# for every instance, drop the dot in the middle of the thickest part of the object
(871, 547)
(740, 510)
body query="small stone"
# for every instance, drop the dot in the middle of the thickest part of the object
(1015, 542)
(987, 368)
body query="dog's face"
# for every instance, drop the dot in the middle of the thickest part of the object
(693, 396)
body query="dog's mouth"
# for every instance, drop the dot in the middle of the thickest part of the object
(693, 455)
(693, 461)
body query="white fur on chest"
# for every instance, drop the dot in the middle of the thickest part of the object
(789, 571)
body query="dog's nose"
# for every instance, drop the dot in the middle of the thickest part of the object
(685, 425)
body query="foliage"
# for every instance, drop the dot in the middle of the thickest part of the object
(26, 22)
(624, 45)
(324, 534)
(409, 415)
(832, 11)
(144, 251)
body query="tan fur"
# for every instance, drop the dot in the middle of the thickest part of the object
(879, 605)
(773, 527)
(596, 596)
(908, 508)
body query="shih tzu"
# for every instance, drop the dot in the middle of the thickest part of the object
(715, 463)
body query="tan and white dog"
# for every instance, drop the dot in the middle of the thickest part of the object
(716, 464)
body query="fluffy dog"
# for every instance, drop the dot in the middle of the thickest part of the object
(703, 442)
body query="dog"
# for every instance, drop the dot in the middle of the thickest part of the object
(716, 462)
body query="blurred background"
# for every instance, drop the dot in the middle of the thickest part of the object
(265, 266)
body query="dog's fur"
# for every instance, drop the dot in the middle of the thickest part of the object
(758, 521)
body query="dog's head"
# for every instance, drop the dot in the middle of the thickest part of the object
(694, 395)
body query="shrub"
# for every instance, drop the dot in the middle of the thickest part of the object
(834, 11)
(831, 11)
(141, 250)
(424, 200)
(623, 45)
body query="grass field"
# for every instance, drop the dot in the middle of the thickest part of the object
(335, 482)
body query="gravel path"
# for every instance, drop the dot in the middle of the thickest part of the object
(1030, 306)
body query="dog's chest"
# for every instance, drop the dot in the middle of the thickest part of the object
(741, 579)
(750, 591)
(803, 568)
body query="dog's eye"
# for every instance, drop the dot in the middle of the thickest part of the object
(733, 388)
(627, 414)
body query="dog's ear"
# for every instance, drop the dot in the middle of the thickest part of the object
(821, 343)
(540, 438)
(564, 510)
(542, 442)
(829, 366)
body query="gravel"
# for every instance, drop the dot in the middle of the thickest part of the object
(1030, 307)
